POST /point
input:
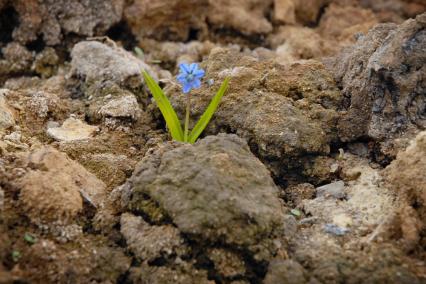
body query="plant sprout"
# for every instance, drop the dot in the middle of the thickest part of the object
(190, 78)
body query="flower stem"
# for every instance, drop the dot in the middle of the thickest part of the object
(188, 108)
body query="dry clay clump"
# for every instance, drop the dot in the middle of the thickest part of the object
(54, 188)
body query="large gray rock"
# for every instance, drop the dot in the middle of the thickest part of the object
(215, 192)
(383, 79)
(93, 61)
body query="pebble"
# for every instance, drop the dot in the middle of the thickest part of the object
(72, 130)
(334, 190)
(335, 230)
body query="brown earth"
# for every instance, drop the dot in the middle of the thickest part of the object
(311, 171)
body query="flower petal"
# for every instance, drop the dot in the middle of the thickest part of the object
(187, 88)
(193, 67)
(196, 84)
(185, 68)
(181, 78)
(199, 73)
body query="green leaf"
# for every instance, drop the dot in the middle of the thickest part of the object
(30, 238)
(296, 212)
(208, 114)
(165, 107)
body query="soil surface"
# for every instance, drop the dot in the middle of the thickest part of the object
(312, 170)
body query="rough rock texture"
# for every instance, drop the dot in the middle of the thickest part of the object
(171, 19)
(210, 191)
(285, 272)
(282, 111)
(348, 238)
(54, 20)
(285, 11)
(383, 78)
(150, 242)
(245, 16)
(93, 61)
(181, 274)
(406, 176)
(54, 187)
(16, 60)
(6, 116)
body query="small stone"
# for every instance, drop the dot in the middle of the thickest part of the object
(6, 116)
(335, 230)
(72, 130)
(124, 107)
(13, 137)
(335, 190)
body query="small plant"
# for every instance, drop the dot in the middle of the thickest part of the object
(190, 78)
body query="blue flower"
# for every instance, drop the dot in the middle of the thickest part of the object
(190, 76)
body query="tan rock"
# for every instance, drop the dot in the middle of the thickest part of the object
(54, 187)
(71, 130)
(285, 11)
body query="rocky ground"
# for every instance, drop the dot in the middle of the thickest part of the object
(311, 171)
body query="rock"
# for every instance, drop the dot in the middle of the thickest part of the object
(72, 130)
(183, 273)
(93, 62)
(7, 119)
(166, 19)
(214, 191)
(335, 230)
(174, 52)
(124, 107)
(406, 177)
(285, 272)
(285, 11)
(335, 23)
(45, 63)
(282, 111)
(382, 77)
(43, 103)
(294, 195)
(245, 16)
(17, 61)
(53, 188)
(111, 169)
(150, 242)
(53, 20)
(293, 42)
(334, 190)
(308, 11)
(227, 264)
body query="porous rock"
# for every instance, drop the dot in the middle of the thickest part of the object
(53, 20)
(282, 111)
(150, 242)
(406, 176)
(215, 191)
(246, 16)
(285, 272)
(166, 19)
(54, 187)
(382, 78)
